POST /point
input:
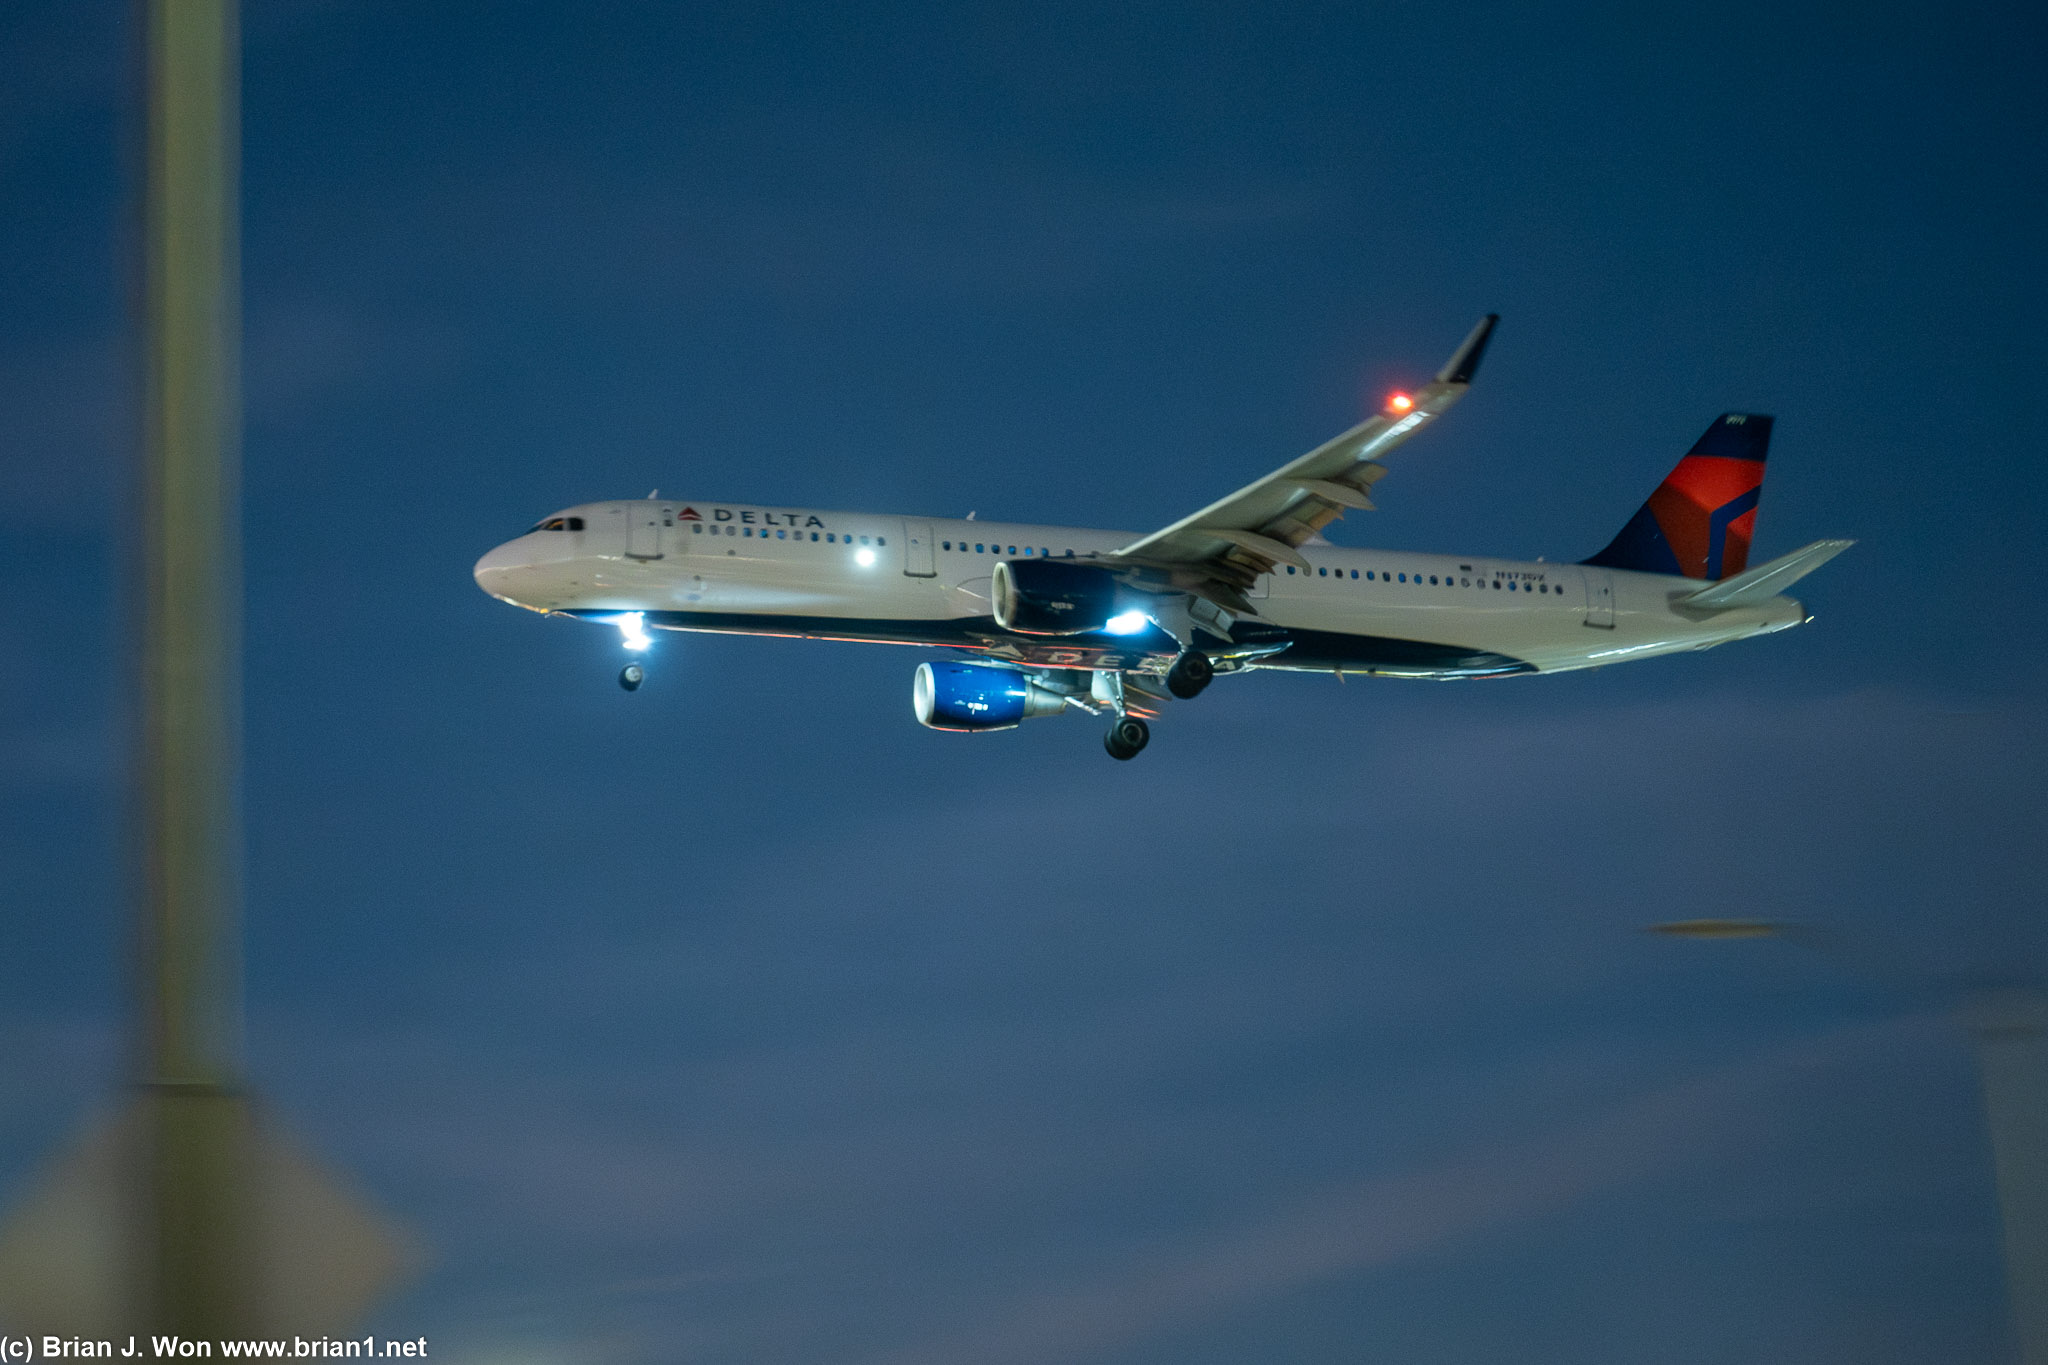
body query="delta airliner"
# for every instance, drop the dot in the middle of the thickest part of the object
(1047, 619)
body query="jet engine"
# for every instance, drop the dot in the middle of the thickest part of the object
(1053, 596)
(950, 696)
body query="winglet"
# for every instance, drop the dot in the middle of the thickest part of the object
(1462, 366)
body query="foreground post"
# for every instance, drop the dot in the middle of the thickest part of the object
(192, 1233)
(188, 1215)
(2010, 1029)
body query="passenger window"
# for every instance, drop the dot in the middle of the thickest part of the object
(977, 547)
(1354, 573)
(747, 531)
(1432, 580)
(1323, 573)
(1290, 568)
(1013, 549)
(782, 535)
(1496, 585)
(828, 537)
(881, 540)
(947, 544)
(814, 537)
(1027, 549)
(1404, 578)
(696, 528)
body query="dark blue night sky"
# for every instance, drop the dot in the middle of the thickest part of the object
(741, 1019)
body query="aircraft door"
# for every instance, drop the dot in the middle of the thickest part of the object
(918, 559)
(1599, 596)
(643, 531)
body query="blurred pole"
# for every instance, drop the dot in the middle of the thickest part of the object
(2010, 1029)
(192, 1234)
(188, 1214)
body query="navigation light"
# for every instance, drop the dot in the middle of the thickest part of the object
(1400, 402)
(1129, 623)
(864, 557)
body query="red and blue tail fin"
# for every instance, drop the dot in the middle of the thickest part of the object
(1699, 521)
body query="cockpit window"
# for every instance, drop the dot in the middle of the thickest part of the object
(560, 524)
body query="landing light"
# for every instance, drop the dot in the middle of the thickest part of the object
(1400, 402)
(633, 629)
(864, 557)
(1130, 623)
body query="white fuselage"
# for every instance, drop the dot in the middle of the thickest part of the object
(833, 575)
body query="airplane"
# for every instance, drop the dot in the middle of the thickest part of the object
(1043, 620)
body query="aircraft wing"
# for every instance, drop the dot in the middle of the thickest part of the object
(1222, 549)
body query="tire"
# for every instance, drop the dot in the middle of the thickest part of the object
(1127, 738)
(1190, 673)
(631, 676)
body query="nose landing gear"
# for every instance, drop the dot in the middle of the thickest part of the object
(1127, 736)
(631, 676)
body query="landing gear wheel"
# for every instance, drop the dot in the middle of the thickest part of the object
(1126, 737)
(631, 676)
(1190, 673)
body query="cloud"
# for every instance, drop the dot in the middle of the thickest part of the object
(864, 209)
(302, 348)
(74, 757)
(1359, 1226)
(66, 418)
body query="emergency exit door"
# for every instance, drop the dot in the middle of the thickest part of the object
(1599, 597)
(918, 559)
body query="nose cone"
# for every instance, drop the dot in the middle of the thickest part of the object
(499, 572)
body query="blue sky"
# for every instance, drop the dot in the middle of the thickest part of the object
(741, 1019)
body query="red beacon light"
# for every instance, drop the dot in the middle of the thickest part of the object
(1399, 402)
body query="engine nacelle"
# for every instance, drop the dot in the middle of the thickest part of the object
(1053, 596)
(949, 696)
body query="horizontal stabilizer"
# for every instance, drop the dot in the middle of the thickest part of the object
(1765, 581)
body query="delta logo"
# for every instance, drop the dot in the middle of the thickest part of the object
(752, 518)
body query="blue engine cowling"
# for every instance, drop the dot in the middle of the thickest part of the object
(1053, 596)
(949, 696)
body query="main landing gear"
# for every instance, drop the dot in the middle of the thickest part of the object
(1127, 736)
(1190, 673)
(631, 676)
